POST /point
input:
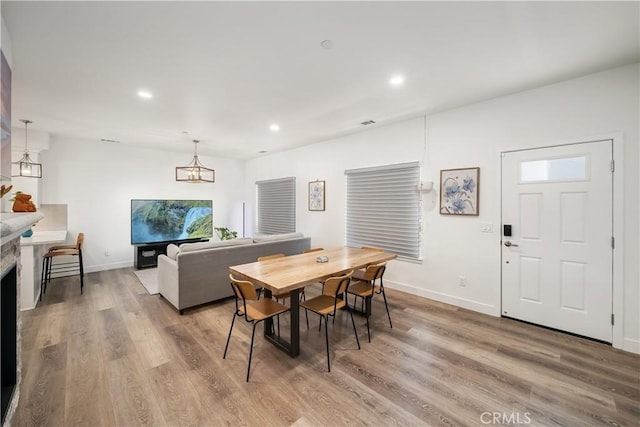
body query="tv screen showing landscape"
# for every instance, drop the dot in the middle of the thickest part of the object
(154, 221)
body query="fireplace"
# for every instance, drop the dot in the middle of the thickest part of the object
(8, 338)
(12, 225)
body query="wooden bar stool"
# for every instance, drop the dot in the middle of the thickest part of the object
(49, 267)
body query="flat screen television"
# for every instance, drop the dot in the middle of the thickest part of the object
(156, 221)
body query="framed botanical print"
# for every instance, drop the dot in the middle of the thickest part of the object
(459, 190)
(316, 196)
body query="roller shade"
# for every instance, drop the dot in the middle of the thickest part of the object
(276, 205)
(383, 208)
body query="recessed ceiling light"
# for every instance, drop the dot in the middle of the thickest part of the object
(145, 94)
(274, 127)
(396, 80)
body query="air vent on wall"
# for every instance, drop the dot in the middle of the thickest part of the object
(367, 122)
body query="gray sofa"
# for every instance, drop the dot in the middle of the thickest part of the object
(198, 273)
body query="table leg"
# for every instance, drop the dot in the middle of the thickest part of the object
(292, 348)
(295, 323)
(268, 323)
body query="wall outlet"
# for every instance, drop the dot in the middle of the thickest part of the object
(107, 253)
(462, 280)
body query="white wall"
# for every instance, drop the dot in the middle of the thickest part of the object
(98, 180)
(603, 103)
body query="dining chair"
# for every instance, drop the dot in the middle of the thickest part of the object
(306, 251)
(50, 268)
(253, 309)
(267, 257)
(365, 287)
(283, 296)
(327, 304)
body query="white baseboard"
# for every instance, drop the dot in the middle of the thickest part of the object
(112, 266)
(34, 304)
(446, 298)
(631, 345)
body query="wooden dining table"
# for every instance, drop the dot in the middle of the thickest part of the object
(293, 273)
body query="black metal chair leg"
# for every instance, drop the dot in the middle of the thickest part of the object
(47, 278)
(320, 324)
(353, 322)
(81, 272)
(326, 339)
(229, 336)
(387, 307)
(253, 334)
(368, 332)
(42, 276)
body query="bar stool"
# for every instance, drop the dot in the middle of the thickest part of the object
(49, 268)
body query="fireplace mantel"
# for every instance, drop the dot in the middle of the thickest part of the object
(13, 224)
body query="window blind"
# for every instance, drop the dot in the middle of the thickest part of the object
(383, 208)
(276, 205)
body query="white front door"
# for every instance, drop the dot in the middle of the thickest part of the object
(557, 256)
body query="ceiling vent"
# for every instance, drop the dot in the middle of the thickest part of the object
(367, 122)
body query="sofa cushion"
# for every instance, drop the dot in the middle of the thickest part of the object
(198, 246)
(172, 251)
(274, 237)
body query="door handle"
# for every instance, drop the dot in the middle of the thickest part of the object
(508, 244)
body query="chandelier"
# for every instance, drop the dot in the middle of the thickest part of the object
(195, 171)
(25, 166)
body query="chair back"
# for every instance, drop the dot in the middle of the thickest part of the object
(79, 241)
(371, 248)
(375, 272)
(306, 251)
(337, 285)
(266, 257)
(243, 289)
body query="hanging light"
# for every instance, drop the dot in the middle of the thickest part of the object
(25, 166)
(195, 171)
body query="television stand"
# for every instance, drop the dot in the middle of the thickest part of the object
(146, 255)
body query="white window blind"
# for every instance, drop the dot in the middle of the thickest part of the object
(383, 208)
(276, 204)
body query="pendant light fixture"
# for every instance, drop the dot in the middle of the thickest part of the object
(25, 166)
(195, 171)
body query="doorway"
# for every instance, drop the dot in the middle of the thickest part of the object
(557, 237)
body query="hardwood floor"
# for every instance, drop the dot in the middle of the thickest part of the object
(119, 356)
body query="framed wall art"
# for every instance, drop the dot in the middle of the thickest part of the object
(316, 196)
(459, 190)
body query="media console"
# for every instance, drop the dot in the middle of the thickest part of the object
(146, 256)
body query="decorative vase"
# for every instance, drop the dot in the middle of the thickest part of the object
(28, 233)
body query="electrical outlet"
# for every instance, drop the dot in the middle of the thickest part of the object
(462, 280)
(107, 253)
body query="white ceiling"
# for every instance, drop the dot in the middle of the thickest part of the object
(224, 71)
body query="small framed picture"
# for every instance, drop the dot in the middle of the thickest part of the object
(459, 189)
(316, 196)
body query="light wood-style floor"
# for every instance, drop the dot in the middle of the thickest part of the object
(117, 356)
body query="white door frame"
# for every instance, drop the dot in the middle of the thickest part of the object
(618, 221)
